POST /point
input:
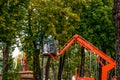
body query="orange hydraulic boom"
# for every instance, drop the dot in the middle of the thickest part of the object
(84, 43)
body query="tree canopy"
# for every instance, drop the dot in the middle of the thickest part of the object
(27, 21)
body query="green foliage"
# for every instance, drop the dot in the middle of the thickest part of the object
(97, 24)
(9, 18)
(12, 75)
(33, 20)
(57, 19)
(92, 19)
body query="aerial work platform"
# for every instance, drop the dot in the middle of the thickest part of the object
(86, 44)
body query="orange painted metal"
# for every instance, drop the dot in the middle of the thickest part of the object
(81, 78)
(114, 78)
(98, 59)
(84, 43)
(85, 78)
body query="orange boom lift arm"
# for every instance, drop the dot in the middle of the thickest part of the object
(84, 43)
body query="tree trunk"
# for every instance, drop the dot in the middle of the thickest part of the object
(100, 70)
(5, 61)
(36, 65)
(70, 71)
(47, 68)
(54, 72)
(61, 65)
(116, 15)
(81, 74)
(36, 60)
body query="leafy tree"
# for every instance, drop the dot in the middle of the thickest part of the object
(49, 17)
(63, 18)
(97, 24)
(60, 21)
(9, 16)
(30, 31)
